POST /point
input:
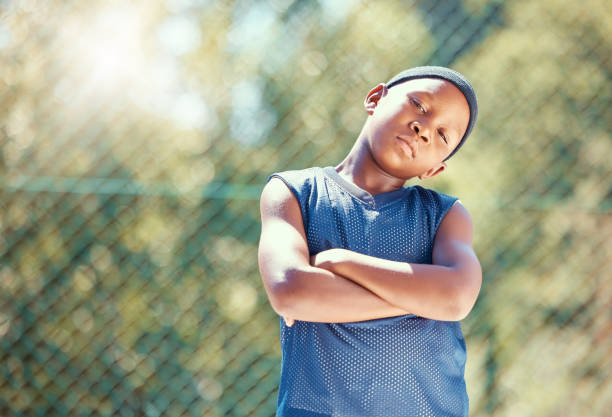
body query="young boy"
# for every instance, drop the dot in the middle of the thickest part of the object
(370, 276)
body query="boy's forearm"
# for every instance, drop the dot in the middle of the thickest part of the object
(431, 291)
(318, 295)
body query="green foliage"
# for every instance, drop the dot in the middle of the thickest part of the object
(135, 140)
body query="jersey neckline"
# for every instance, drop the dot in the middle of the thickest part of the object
(361, 194)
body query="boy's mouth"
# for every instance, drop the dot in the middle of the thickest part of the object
(407, 146)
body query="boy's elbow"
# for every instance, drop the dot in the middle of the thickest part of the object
(459, 311)
(466, 295)
(285, 293)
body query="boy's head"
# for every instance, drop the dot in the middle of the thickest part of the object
(422, 114)
(449, 75)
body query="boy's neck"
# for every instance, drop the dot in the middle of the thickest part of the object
(360, 168)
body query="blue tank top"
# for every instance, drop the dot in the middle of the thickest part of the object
(397, 366)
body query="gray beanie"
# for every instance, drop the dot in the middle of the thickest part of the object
(449, 75)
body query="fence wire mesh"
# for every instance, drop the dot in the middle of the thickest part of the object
(136, 138)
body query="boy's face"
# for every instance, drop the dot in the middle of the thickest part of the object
(414, 125)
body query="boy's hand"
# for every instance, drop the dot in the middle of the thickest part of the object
(326, 259)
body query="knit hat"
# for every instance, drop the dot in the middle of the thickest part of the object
(449, 75)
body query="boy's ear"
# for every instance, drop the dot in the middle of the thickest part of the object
(432, 172)
(374, 96)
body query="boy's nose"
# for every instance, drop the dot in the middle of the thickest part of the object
(420, 130)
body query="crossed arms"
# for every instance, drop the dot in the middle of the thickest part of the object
(339, 285)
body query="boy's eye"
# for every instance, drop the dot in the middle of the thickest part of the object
(443, 137)
(418, 105)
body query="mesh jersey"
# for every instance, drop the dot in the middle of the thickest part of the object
(398, 366)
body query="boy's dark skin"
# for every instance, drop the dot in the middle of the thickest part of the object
(410, 129)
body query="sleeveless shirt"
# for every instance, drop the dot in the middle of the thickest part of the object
(398, 366)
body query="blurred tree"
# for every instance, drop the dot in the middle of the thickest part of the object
(134, 142)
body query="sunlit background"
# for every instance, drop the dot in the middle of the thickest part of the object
(136, 138)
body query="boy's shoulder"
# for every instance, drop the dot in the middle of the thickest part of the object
(437, 198)
(430, 191)
(299, 181)
(295, 176)
(297, 172)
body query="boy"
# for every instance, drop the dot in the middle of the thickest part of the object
(372, 277)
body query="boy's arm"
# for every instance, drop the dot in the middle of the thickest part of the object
(446, 290)
(296, 289)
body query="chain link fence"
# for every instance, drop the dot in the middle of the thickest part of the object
(135, 141)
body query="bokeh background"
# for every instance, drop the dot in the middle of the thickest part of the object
(136, 137)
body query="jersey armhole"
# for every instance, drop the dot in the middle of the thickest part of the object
(442, 215)
(295, 193)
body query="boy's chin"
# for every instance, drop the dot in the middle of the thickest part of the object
(405, 172)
